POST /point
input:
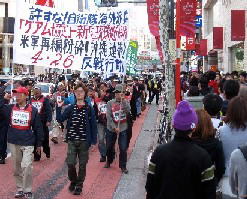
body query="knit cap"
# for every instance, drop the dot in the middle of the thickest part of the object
(185, 117)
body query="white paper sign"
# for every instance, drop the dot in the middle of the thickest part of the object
(20, 118)
(89, 41)
(103, 108)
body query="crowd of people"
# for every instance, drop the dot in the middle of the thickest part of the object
(85, 112)
(208, 156)
(206, 159)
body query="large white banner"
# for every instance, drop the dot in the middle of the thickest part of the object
(71, 40)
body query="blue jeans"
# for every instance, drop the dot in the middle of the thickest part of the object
(102, 139)
(111, 138)
(138, 106)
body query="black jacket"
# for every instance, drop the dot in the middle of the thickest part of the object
(214, 148)
(46, 113)
(91, 125)
(180, 170)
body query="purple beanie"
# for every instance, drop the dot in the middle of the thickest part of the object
(185, 117)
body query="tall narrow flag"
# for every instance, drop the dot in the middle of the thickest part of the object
(188, 17)
(238, 25)
(203, 47)
(132, 58)
(158, 46)
(153, 16)
(218, 37)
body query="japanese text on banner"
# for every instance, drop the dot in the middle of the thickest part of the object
(132, 58)
(70, 40)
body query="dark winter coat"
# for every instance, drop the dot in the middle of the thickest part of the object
(214, 148)
(180, 170)
(91, 128)
(31, 137)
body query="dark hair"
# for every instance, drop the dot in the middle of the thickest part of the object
(212, 104)
(61, 78)
(204, 81)
(244, 74)
(235, 73)
(194, 81)
(236, 115)
(193, 91)
(204, 128)
(231, 89)
(211, 75)
(182, 133)
(221, 85)
(19, 82)
(80, 85)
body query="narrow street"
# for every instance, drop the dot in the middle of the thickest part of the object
(50, 176)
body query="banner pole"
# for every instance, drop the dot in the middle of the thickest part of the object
(121, 100)
(12, 78)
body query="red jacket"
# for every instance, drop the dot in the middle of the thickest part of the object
(214, 85)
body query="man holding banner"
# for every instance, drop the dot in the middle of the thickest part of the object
(117, 111)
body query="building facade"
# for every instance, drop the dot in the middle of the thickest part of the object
(233, 56)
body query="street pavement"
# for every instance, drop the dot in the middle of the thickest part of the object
(132, 186)
(50, 175)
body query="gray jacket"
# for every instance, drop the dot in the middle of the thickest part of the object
(238, 174)
(111, 124)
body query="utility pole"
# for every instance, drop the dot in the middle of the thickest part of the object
(168, 67)
(80, 5)
(178, 43)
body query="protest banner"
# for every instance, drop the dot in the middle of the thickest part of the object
(89, 41)
(132, 57)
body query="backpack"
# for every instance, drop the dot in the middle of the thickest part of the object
(243, 149)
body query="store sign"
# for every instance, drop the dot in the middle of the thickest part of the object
(190, 43)
(198, 21)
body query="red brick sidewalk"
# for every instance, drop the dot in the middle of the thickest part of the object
(50, 176)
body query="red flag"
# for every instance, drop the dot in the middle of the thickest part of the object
(198, 50)
(203, 47)
(190, 43)
(187, 17)
(158, 46)
(153, 16)
(48, 3)
(238, 25)
(218, 37)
